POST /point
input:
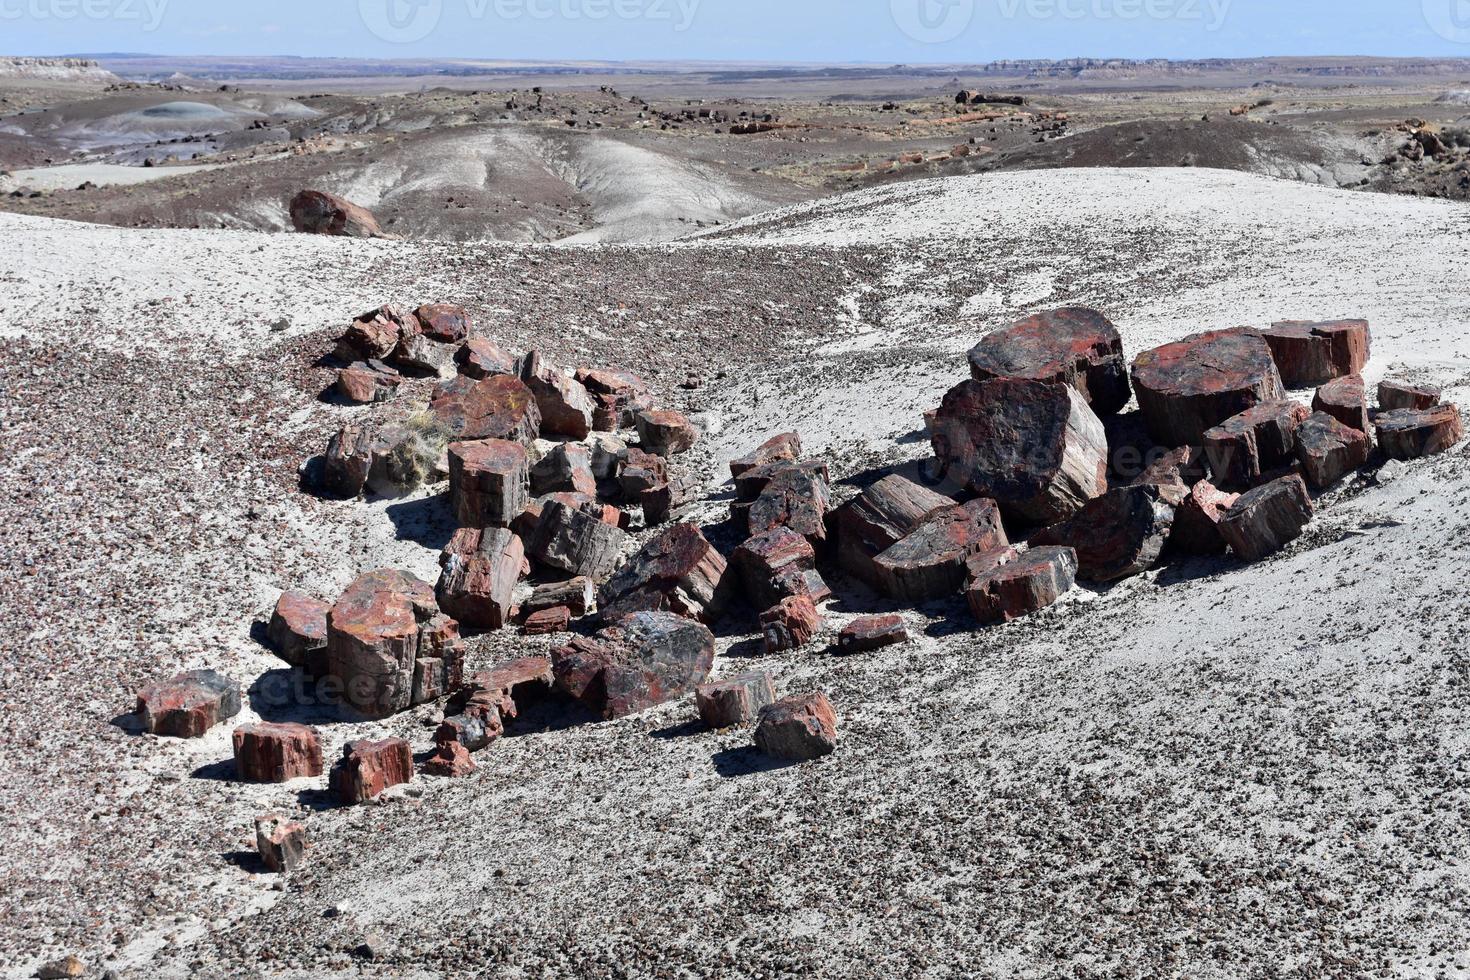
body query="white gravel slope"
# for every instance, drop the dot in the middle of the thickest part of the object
(1209, 771)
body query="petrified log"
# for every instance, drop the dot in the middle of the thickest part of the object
(776, 565)
(880, 517)
(573, 541)
(1188, 387)
(276, 753)
(445, 323)
(579, 595)
(1119, 534)
(1329, 450)
(189, 704)
(640, 472)
(617, 397)
(1197, 520)
(367, 768)
(1174, 472)
(480, 358)
(488, 482)
(320, 213)
(1410, 434)
(498, 407)
(1309, 353)
(567, 468)
(609, 453)
(929, 563)
(422, 356)
(646, 659)
(753, 482)
(348, 461)
(479, 722)
(872, 633)
(280, 841)
(1034, 448)
(375, 334)
(298, 631)
(782, 448)
(797, 497)
(511, 687)
(1256, 441)
(736, 701)
(1075, 345)
(565, 406)
(1396, 395)
(1267, 519)
(1346, 400)
(790, 624)
(801, 727)
(678, 571)
(665, 433)
(1023, 585)
(389, 645)
(529, 519)
(662, 502)
(477, 585)
(367, 383)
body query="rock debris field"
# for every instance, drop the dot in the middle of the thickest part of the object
(1011, 575)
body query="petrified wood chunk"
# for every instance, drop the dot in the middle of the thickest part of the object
(1346, 400)
(367, 768)
(422, 356)
(782, 448)
(662, 502)
(1256, 441)
(617, 396)
(801, 727)
(790, 624)
(451, 760)
(1022, 586)
(477, 585)
(565, 406)
(778, 564)
(298, 628)
(1119, 534)
(1396, 395)
(480, 359)
(387, 643)
(1174, 472)
(1268, 518)
(367, 383)
(488, 482)
(579, 595)
(280, 842)
(573, 541)
(929, 563)
(1075, 345)
(665, 433)
(512, 686)
(375, 334)
(567, 468)
(678, 571)
(879, 518)
(797, 497)
(1329, 450)
(1193, 385)
(189, 704)
(320, 213)
(1197, 520)
(498, 407)
(445, 323)
(640, 472)
(1410, 434)
(646, 659)
(736, 701)
(348, 461)
(872, 633)
(1312, 353)
(1034, 448)
(276, 753)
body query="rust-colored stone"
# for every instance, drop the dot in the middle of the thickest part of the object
(544, 622)
(276, 753)
(1346, 400)
(451, 760)
(578, 595)
(367, 383)
(790, 624)
(1310, 353)
(1268, 518)
(570, 540)
(879, 518)
(1075, 345)
(566, 407)
(666, 432)
(640, 473)
(444, 322)
(1197, 520)
(1191, 386)
(646, 659)
(1329, 450)
(189, 704)
(801, 728)
(782, 448)
(776, 565)
(298, 630)
(320, 213)
(1119, 534)
(1394, 396)
(348, 461)
(678, 571)
(1173, 471)
(488, 482)
(1410, 434)
(617, 395)
(281, 842)
(367, 768)
(1023, 585)
(511, 686)
(1257, 441)
(498, 407)
(565, 469)
(797, 497)
(480, 358)
(735, 701)
(929, 563)
(478, 581)
(872, 633)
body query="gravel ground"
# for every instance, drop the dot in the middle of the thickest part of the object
(1207, 771)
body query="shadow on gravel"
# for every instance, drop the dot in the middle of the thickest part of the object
(246, 861)
(317, 800)
(747, 761)
(550, 716)
(746, 649)
(222, 771)
(129, 723)
(1180, 571)
(426, 522)
(288, 695)
(684, 729)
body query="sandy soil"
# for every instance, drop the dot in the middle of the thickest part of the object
(1211, 771)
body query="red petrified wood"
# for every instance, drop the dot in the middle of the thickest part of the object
(557, 619)
(1188, 387)
(801, 727)
(1329, 450)
(1119, 534)
(778, 564)
(1268, 518)
(566, 407)
(872, 633)
(783, 448)
(488, 482)
(276, 753)
(450, 760)
(678, 571)
(1410, 434)
(480, 359)
(367, 768)
(1312, 353)
(1256, 441)
(790, 624)
(1023, 586)
(665, 433)
(645, 660)
(444, 322)
(880, 517)
(320, 213)
(477, 585)
(1346, 400)
(298, 630)
(189, 704)
(1075, 345)
(617, 397)
(736, 701)
(929, 563)
(281, 842)
(1197, 520)
(498, 407)
(1394, 395)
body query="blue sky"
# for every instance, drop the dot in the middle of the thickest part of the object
(886, 31)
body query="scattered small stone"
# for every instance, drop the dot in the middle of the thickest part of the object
(189, 704)
(367, 768)
(281, 842)
(790, 624)
(267, 752)
(801, 728)
(736, 701)
(873, 633)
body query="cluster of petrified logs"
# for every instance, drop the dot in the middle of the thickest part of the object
(1027, 500)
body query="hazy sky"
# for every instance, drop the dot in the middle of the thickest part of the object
(790, 30)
